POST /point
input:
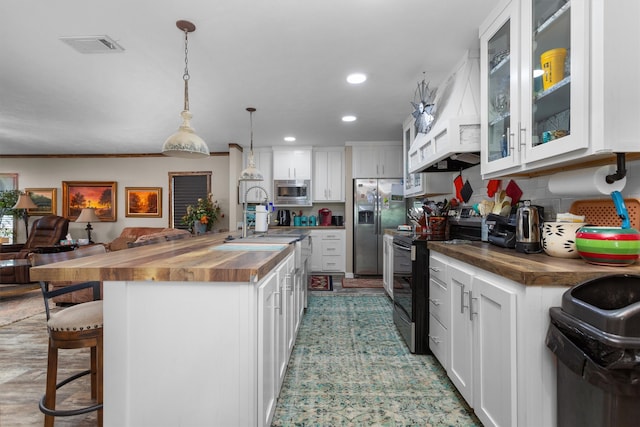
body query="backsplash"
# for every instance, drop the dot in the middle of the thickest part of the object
(536, 190)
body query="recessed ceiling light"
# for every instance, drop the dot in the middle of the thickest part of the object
(349, 118)
(289, 138)
(356, 78)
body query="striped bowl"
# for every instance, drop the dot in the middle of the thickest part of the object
(608, 245)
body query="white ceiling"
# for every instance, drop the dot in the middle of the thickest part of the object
(287, 58)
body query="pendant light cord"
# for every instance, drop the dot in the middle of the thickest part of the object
(186, 76)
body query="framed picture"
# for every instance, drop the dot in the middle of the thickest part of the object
(8, 181)
(100, 195)
(45, 198)
(143, 202)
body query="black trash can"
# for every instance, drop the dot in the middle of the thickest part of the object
(596, 338)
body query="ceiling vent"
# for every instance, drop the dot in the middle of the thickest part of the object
(93, 44)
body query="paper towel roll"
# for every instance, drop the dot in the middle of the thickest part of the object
(262, 224)
(585, 182)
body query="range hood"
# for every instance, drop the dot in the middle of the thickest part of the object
(453, 142)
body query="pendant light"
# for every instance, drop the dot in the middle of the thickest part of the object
(251, 173)
(185, 143)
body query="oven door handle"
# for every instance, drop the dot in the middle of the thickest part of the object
(402, 248)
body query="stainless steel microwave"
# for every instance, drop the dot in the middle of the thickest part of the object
(292, 192)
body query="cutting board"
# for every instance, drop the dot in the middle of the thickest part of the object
(602, 212)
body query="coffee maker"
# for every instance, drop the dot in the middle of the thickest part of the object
(324, 216)
(528, 226)
(284, 217)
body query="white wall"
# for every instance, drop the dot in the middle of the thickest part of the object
(126, 172)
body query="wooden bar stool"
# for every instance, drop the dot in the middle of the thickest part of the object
(78, 326)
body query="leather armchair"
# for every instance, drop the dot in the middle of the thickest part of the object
(46, 231)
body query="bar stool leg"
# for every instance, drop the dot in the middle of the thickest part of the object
(52, 374)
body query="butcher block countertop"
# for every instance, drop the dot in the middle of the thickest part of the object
(528, 269)
(186, 260)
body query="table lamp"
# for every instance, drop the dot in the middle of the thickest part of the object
(88, 215)
(24, 202)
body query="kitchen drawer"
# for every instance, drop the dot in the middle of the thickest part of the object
(332, 263)
(332, 235)
(438, 340)
(437, 268)
(332, 248)
(438, 301)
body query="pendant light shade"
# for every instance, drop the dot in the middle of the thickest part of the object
(251, 173)
(185, 143)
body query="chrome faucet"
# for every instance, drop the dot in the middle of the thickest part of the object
(245, 225)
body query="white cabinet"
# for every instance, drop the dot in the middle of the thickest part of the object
(289, 163)
(268, 374)
(377, 161)
(439, 309)
(387, 264)
(328, 175)
(483, 344)
(263, 159)
(586, 111)
(235, 368)
(460, 369)
(422, 183)
(328, 251)
(493, 313)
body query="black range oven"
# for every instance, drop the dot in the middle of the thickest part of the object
(411, 301)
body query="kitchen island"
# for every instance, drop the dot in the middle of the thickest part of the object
(491, 332)
(196, 331)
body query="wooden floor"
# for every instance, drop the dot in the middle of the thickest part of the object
(23, 364)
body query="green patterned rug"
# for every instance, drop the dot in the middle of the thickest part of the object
(349, 367)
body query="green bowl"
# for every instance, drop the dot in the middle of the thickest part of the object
(608, 245)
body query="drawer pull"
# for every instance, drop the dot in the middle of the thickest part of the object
(435, 269)
(435, 301)
(435, 340)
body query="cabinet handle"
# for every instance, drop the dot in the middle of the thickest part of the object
(435, 302)
(435, 340)
(289, 282)
(511, 136)
(279, 299)
(436, 269)
(471, 312)
(523, 135)
(462, 292)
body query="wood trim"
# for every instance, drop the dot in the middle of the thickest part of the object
(92, 156)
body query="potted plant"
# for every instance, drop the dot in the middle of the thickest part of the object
(201, 217)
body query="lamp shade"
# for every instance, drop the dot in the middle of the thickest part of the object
(251, 173)
(88, 215)
(185, 143)
(24, 202)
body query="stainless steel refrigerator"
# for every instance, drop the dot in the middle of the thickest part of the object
(378, 204)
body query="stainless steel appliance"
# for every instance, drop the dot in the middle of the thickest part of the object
(528, 222)
(411, 301)
(378, 205)
(292, 192)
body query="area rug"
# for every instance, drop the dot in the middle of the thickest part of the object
(320, 283)
(15, 308)
(361, 282)
(350, 368)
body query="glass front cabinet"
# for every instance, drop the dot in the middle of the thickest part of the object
(546, 68)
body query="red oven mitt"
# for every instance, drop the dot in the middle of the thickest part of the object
(458, 184)
(492, 187)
